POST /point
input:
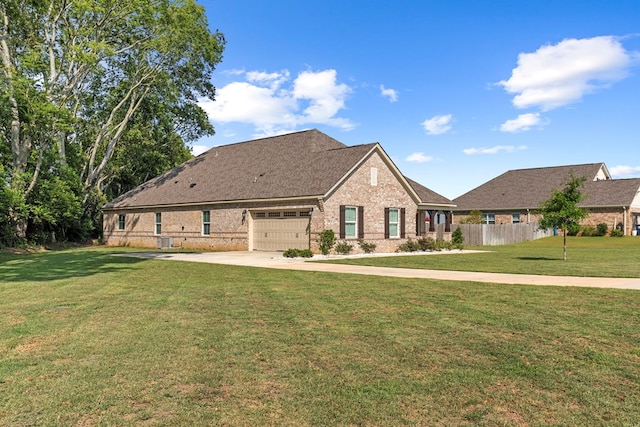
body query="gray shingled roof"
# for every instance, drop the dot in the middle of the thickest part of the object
(427, 195)
(307, 163)
(528, 188)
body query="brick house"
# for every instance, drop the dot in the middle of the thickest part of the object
(516, 195)
(277, 193)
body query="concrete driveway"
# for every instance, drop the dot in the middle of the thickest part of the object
(276, 260)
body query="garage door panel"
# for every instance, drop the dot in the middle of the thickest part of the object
(281, 234)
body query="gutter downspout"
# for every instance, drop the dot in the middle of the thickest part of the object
(528, 215)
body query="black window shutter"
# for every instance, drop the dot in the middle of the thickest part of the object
(417, 223)
(386, 223)
(402, 223)
(342, 231)
(360, 222)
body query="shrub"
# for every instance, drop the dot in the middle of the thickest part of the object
(298, 253)
(427, 244)
(573, 230)
(326, 241)
(343, 248)
(367, 248)
(601, 229)
(409, 246)
(616, 232)
(588, 231)
(457, 239)
(443, 244)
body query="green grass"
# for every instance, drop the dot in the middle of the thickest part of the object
(91, 339)
(586, 256)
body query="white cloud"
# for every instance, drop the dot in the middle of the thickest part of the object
(419, 158)
(557, 75)
(522, 123)
(494, 150)
(623, 171)
(392, 94)
(273, 104)
(438, 124)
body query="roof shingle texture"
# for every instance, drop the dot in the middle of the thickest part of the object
(307, 163)
(528, 188)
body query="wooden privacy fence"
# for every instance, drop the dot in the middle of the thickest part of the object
(500, 234)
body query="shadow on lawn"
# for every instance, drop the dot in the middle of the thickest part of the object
(47, 266)
(537, 258)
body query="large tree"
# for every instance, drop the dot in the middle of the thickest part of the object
(75, 75)
(562, 211)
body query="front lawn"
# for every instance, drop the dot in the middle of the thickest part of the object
(88, 339)
(586, 256)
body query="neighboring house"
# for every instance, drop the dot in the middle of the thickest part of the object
(275, 194)
(516, 195)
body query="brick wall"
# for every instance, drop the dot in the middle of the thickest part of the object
(358, 191)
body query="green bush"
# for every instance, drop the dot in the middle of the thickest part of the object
(326, 241)
(427, 244)
(367, 248)
(409, 246)
(588, 231)
(298, 253)
(457, 239)
(616, 232)
(343, 248)
(601, 229)
(443, 244)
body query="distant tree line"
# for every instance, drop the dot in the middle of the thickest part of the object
(96, 96)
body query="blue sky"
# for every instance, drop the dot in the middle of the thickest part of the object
(456, 92)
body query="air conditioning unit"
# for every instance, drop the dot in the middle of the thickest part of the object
(165, 242)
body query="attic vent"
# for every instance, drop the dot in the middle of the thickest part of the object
(193, 184)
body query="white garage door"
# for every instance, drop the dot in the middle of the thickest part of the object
(279, 231)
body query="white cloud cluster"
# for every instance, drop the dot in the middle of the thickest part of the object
(522, 123)
(273, 104)
(624, 171)
(438, 124)
(419, 158)
(557, 75)
(392, 94)
(494, 150)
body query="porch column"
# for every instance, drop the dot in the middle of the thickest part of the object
(432, 219)
(447, 221)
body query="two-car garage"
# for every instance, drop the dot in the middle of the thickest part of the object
(280, 230)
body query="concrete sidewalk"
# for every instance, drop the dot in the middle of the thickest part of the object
(276, 260)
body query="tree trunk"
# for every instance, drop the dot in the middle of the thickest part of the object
(564, 245)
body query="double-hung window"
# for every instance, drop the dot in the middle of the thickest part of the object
(206, 223)
(489, 218)
(394, 223)
(121, 222)
(515, 218)
(350, 222)
(158, 229)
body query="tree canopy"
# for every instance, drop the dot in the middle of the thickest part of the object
(561, 210)
(96, 96)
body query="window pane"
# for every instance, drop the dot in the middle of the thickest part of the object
(207, 229)
(158, 217)
(393, 230)
(350, 230)
(393, 215)
(350, 214)
(206, 215)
